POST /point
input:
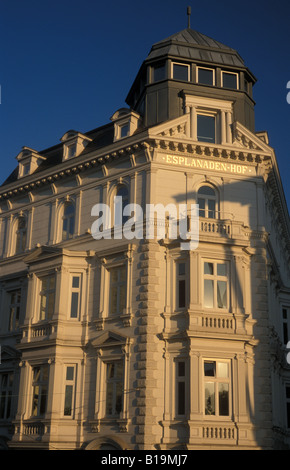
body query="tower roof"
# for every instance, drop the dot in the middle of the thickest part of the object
(190, 44)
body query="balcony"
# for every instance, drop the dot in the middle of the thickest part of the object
(39, 332)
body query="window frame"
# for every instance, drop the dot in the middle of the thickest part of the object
(215, 277)
(286, 324)
(230, 73)
(216, 381)
(20, 235)
(6, 395)
(70, 383)
(114, 381)
(181, 277)
(46, 293)
(67, 219)
(213, 75)
(16, 305)
(211, 114)
(183, 65)
(43, 384)
(181, 379)
(75, 290)
(119, 285)
(287, 405)
(208, 198)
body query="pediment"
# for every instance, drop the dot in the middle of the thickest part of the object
(42, 252)
(177, 128)
(108, 339)
(7, 353)
(245, 139)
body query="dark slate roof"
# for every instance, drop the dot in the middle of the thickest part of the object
(101, 137)
(190, 44)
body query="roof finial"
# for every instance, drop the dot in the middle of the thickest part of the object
(188, 15)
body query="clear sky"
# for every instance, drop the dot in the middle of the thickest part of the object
(69, 64)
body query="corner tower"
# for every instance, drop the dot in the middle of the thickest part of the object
(186, 65)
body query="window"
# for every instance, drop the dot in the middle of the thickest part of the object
(75, 296)
(118, 289)
(207, 202)
(288, 405)
(68, 221)
(181, 284)
(216, 388)
(69, 390)
(47, 297)
(40, 390)
(14, 309)
(181, 392)
(180, 72)
(206, 128)
(286, 325)
(124, 130)
(115, 386)
(26, 169)
(205, 76)
(216, 290)
(21, 234)
(122, 194)
(159, 73)
(230, 80)
(6, 387)
(71, 151)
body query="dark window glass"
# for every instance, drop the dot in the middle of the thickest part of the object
(209, 369)
(205, 77)
(223, 399)
(159, 73)
(180, 72)
(181, 398)
(206, 128)
(288, 415)
(230, 80)
(181, 296)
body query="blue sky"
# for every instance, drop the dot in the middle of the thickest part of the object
(68, 64)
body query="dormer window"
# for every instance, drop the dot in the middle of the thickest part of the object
(230, 80)
(73, 144)
(159, 73)
(29, 160)
(125, 123)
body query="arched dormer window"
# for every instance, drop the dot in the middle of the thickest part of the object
(207, 200)
(68, 221)
(20, 235)
(121, 191)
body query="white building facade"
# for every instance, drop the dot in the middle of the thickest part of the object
(139, 343)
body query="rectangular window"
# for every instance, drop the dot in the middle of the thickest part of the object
(124, 130)
(26, 169)
(230, 80)
(288, 405)
(115, 388)
(6, 387)
(159, 73)
(69, 390)
(118, 290)
(71, 150)
(75, 296)
(181, 284)
(180, 388)
(286, 325)
(206, 128)
(40, 390)
(180, 72)
(216, 285)
(205, 76)
(14, 309)
(216, 388)
(47, 297)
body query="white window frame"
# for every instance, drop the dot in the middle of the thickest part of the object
(70, 383)
(214, 114)
(40, 383)
(182, 64)
(215, 278)
(216, 381)
(75, 290)
(206, 68)
(207, 198)
(231, 73)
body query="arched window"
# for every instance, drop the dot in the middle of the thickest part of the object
(21, 235)
(68, 221)
(119, 205)
(207, 200)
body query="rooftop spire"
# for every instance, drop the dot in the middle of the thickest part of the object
(188, 16)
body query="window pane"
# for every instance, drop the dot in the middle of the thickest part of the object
(119, 397)
(208, 294)
(222, 294)
(205, 76)
(180, 72)
(223, 399)
(209, 369)
(181, 293)
(284, 313)
(74, 304)
(206, 191)
(181, 269)
(222, 270)
(114, 297)
(230, 80)
(223, 369)
(35, 401)
(50, 307)
(124, 130)
(76, 282)
(123, 274)
(159, 73)
(181, 398)
(122, 304)
(211, 209)
(110, 370)
(206, 128)
(181, 369)
(208, 268)
(201, 203)
(285, 333)
(69, 373)
(209, 398)
(288, 415)
(287, 392)
(68, 400)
